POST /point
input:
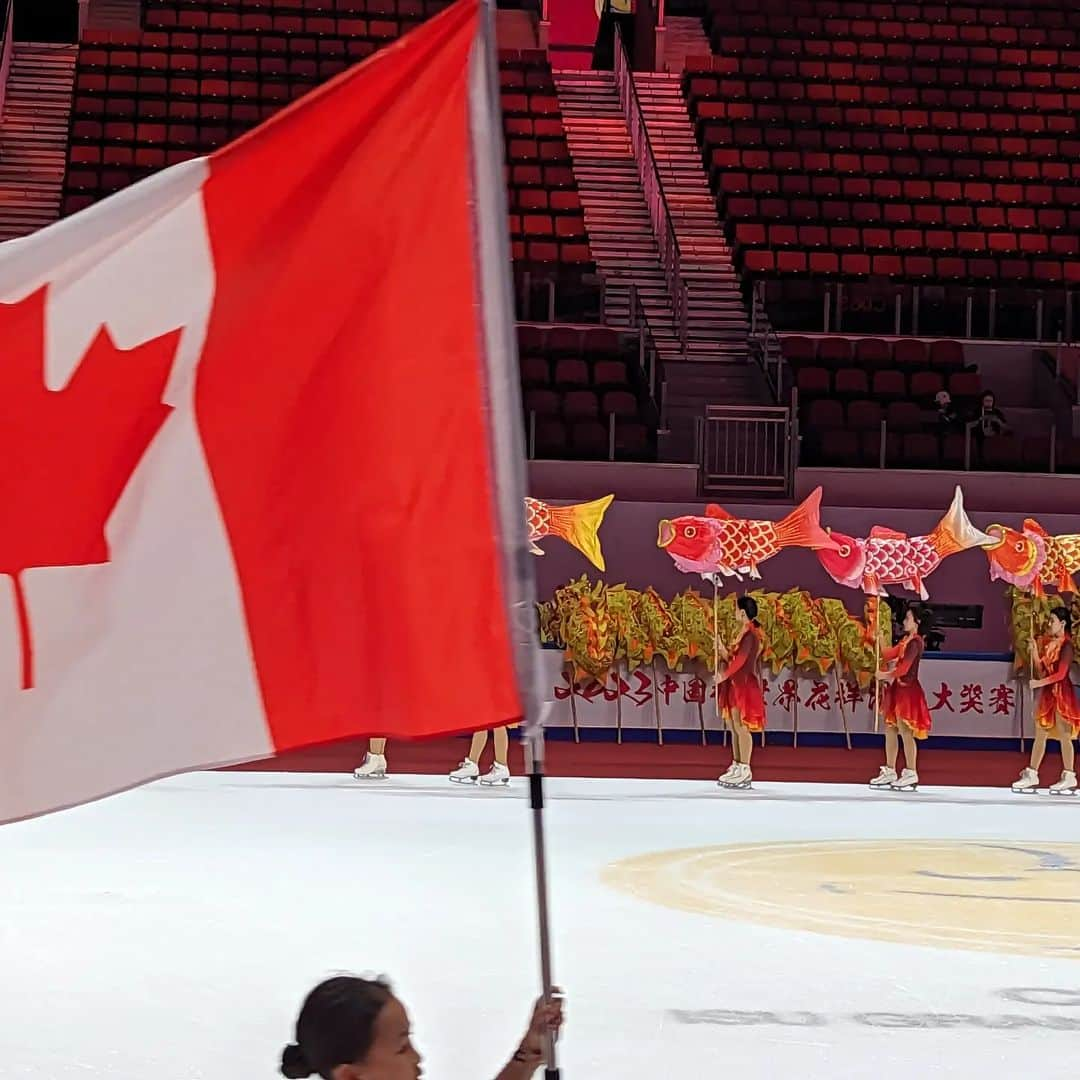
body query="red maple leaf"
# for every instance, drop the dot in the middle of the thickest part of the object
(66, 455)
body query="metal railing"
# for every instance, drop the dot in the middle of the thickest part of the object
(648, 357)
(7, 32)
(765, 346)
(748, 450)
(649, 173)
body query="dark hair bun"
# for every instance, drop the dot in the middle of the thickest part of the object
(293, 1063)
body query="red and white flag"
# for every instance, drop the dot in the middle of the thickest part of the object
(261, 475)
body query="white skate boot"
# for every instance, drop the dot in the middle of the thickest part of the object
(885, 778)
(1028, 784)
(468, 772)
(1065, 786)
(740, 779)
(499, 774)
(726, 778)
(374, 768)
(907, 781)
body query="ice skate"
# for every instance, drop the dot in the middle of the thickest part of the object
(885, 778)
(1028, 784)
(1065, 786)
(374, 768)
(727, 777)
(907, 781)
(468, 772)
(499, 774)
(739, 780)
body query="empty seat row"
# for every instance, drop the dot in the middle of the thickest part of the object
(924, 450)
(984, 269)
(939, 11)
(581, 404)
(302, 7)
(882, 117)
(568, 373)
(769, 208)
(385, 27)
(909, 354)
(999, 55)
(854, 384)
(588, 440)
(883, 238)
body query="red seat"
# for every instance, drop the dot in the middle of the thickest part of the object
(609, 374)
(571, 374)
(798, 350)
(813, 382)
(873, 353)
(535, 374)
(851, 382)
(580, 405)
(903, 417)
(947, 355)
(864, 415)
(920, 451)
(925, 385)
(542, 402)
(824, 413)
(1002, 453)
(889, 385)
(619, 403)
(965, 385)
(910, 354)
(834, 352)
(840, 447)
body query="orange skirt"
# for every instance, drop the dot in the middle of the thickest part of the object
(907, 703)
(1058, 702)
(746, 695)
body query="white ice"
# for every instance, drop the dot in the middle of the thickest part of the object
(171, 933)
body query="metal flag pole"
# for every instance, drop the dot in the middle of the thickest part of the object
(534, 764)
(508, 459)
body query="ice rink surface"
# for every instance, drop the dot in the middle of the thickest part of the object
(796, 930)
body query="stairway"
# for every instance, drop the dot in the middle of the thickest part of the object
(34, 136)
(683, 36)
(717, 321)
(616, 214)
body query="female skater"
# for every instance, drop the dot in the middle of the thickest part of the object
(741, 695)
(1056, 707)
(468, 772)
(374, 766)
(356, 1029)
(906, 714)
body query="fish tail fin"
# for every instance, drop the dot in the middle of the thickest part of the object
(579, 526)
(802, 527)
(954, 532)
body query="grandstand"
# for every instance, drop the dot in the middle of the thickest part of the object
(769, 239)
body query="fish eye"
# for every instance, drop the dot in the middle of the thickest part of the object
(690, 532)
(1019, 545)
(845, 551)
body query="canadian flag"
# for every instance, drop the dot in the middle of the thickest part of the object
(260, 453)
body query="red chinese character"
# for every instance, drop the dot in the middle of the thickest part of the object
(789, 694)
(592, 690)
(566, 689)
(944, 699)
(642, 694)
(694, 691)
(848, 694)
(668, 686)
(620, 689)
(819, 696)
(1001, 700)
(971, 698)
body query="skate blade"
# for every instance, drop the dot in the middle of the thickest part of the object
(910, 787)
(463, 779)
(369, 776)
(1063, 794)
(736, 787)
(1024, 791)
(496, 783)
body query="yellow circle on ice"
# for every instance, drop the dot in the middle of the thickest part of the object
(994, 896)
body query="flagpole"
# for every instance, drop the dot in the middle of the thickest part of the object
(508, 462)
(534, 765)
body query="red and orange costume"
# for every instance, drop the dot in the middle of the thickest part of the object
(1058, 699)
(904, 698)
(741, 688)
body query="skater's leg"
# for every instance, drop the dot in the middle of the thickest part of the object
(892, 745)
(376, 747)
(502, 745)
(734, 722)
(1038, 747)
(745, 739)
(476, 747)
(1068, 752)
(911, 747)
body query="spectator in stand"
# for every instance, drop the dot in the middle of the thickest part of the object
(948, 419)
(356, 1029)
(990, 419)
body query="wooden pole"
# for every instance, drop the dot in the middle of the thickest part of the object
(618, 704)
(843, 707)
(573, 700)
(1031, 667)
(716, 653)
(656, 705)
(877, 664)
(794, 715)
